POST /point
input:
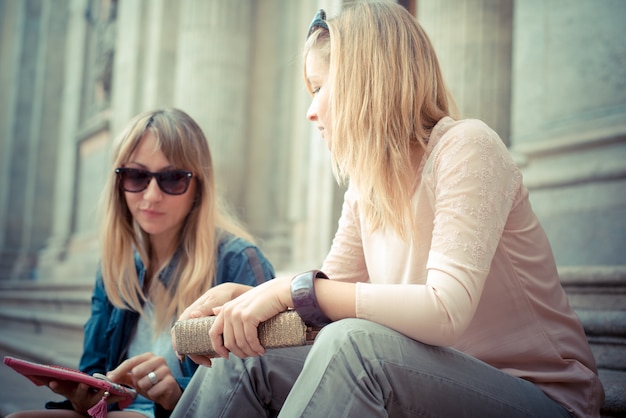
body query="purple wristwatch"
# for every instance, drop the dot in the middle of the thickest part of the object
(304, 299)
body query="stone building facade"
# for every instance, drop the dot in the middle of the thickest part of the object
(548, 75)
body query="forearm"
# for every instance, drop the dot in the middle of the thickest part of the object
(436, 313)
(336, 299)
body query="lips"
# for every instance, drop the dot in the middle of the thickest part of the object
(149, 213)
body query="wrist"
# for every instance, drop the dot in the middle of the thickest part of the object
(304, 299)
(239, 289)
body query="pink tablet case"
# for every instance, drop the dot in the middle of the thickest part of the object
(35, 372)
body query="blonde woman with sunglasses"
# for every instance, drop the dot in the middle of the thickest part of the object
(440, 291)
(166, 240)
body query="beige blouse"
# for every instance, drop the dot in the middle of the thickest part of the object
(478, 273)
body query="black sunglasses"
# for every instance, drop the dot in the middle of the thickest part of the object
(319, 21)
(136, 180)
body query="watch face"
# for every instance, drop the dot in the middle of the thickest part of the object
(302, 292)
(304, 300)
(301, 295)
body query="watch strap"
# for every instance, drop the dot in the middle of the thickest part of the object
(304, 298)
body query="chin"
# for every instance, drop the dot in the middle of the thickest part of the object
(152, 229)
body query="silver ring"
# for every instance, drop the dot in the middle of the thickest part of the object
(153, 378)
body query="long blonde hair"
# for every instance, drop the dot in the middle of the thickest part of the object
(182, 141)
(387, 93)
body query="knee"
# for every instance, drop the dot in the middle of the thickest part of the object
(364, 339)
(349, 333)
(349, 351)
(342, 329)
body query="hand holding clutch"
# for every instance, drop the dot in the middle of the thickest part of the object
(283, 330)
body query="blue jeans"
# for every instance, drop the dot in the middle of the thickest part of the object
(361, 369)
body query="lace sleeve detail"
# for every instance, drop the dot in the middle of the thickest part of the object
(476, 183)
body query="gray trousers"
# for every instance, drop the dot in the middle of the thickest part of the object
(360, 369)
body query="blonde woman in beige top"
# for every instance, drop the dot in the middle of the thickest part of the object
(443, 299)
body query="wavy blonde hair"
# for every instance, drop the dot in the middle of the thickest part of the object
(387, 93)
(182, 141)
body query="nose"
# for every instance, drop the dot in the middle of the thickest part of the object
(311, 113)
(153, 191)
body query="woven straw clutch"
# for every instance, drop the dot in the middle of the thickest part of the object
(283, 330)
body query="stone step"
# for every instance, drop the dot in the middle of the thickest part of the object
(595, 287)
(35, 333)
(606, 332)
(77, 284)
(598, 295)
(54, 298)
(614, 383)
(58, 350)
(603, 322)
(44, 322)
(76, 302)
(41, 321)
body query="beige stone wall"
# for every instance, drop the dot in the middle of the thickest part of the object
(547, 75)
(234, 66)
(473, 40)
(569, 121)
(550, 78)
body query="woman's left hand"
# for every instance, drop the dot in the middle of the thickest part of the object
(214, 297)
(236, 326)
(151, 377)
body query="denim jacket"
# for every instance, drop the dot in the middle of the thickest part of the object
(108, 330)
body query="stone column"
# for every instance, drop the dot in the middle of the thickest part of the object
(83, 159)
(239, 75)
(285, 203)
(128, 66)
(473, 43)
(569, 121)
(160, 53)
(33, 133)
(12, 17)
(63, 192)
(318, 189)
(270, 106)
(212, 82)
(19, 135)
(292, 199)
(44, 136)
